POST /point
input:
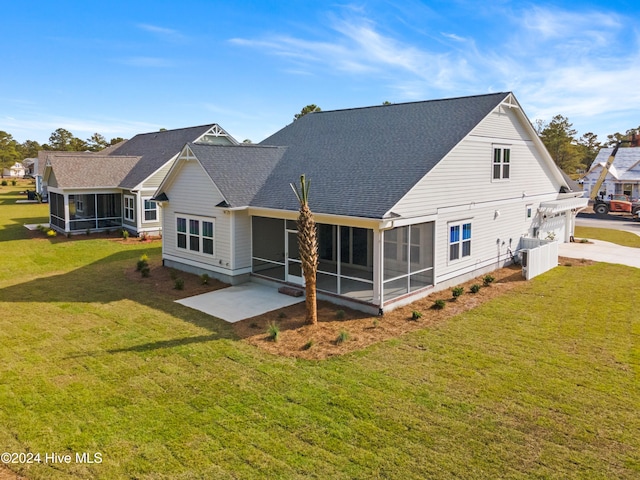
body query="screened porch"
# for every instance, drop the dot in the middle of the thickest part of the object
(82, 212)
(346, 258)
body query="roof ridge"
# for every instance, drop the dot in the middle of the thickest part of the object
(209, 125)
(415, 102)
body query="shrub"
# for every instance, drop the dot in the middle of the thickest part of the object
(4, 183)
(340, 314)
(178, 284)
(143, 237)
(145, 271)
(143, 262)
(308, 345)
(488, 280)
(343, 336)
(282, 315)
(416, 315)
(439, 304)
(125, 233)
(13, 183)
(475, 288)
(456, 292)
(376, 322)
(88, 231)
(273, 332)
(204, 279)
(51, 233)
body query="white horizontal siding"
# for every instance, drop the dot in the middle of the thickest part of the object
(492, 236)
(502, 122)
(154, 180)
(193, 193)
(242, 239)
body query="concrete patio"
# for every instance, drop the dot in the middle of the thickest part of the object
(239, 302)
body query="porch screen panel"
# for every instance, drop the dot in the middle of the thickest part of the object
(82, 212)
(267, 238)
(56, 210)
(408, 259)
(109, 211)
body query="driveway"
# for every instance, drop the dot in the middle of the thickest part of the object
(600, 251)
(614, 222)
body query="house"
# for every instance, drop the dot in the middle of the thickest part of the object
(623, 176)
(16, 170)
(408, 198)
(113, 188)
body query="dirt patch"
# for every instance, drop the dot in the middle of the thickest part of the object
(321, 341)
(163, 280)
(6, 474)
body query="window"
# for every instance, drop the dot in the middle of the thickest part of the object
(459, 240)
(198, 237)
(150, 210)
(501, 163)
(129, 208)
(529, 211)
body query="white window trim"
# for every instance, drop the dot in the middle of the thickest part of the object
(502, 164)
(200, 235)
(128, 209)
(461, 257)
(144, 210)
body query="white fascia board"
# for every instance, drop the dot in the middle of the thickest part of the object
(332, 219)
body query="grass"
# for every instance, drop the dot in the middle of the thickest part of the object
(538, 384)
(620, 237)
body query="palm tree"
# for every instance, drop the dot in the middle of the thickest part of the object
(308, 246)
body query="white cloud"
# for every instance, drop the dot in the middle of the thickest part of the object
(581, 63)
(166, 33)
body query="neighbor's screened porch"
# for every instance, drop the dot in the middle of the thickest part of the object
(81, 212)
(346, 258)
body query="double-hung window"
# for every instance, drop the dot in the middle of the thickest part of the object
(195, 234)
(459, 240)
(501, 163)
(129, 208)
(150, 210)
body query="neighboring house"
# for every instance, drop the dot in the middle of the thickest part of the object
(623, 176)
(113, 187)
(408, 198)
(17, 170)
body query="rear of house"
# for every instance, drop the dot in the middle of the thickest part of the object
(408, 198)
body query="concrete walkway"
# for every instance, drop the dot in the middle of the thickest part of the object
(238, 302)
(601, 251)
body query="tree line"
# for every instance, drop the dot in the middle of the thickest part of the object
(12, 151)
(572, 154)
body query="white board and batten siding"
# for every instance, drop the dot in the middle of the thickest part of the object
(461, 187)
(192, 193)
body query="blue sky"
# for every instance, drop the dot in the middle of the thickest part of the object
(125, 67)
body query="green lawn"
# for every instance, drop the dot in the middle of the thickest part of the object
(542, 383)
(620, 237)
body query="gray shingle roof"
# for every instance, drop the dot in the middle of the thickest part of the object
(362, 161)
(90, 170)
(238, 171)
(155, 150)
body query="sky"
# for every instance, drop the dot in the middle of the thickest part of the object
(120, 68)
